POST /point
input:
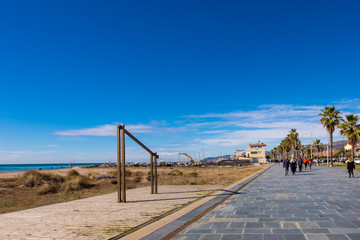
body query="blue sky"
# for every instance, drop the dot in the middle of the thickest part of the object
(182, 75)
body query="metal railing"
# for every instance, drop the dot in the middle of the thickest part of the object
(121, 163)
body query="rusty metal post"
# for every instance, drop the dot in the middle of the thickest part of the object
(152, 172)
(123, 183)
(156, 174)
(118, 163)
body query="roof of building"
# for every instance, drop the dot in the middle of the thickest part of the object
(258, 144)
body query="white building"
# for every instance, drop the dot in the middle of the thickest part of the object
(241, 153)
(257, 152)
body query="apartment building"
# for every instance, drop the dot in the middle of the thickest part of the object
(257, 152)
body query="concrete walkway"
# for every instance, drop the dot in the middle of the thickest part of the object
(99, 217)
(322, 203)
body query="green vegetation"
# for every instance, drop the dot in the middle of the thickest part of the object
(350, 128)
(330, 120)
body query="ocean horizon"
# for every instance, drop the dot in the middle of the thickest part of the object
(42, 166)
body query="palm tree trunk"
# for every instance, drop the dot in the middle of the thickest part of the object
(331, 149)
(353, 152)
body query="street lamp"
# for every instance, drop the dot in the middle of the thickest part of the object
(311, 143)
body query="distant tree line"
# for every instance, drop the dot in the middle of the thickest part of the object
(330, 119)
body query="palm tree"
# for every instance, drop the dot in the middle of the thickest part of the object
(280, 150)
(308, 152)
(298, 147)
(318, 146)
(302, 150)
(293, 138)
(330, 120)
(286, 145)
(351, 129)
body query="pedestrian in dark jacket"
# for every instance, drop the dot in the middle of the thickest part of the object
(300, 164)
(293, 166)
(286, 165)
(350, 167)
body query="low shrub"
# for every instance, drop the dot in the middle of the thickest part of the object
(105, 177)
(33, 178)
(77, 183)
(176, 173)
(48, 187)
(194, 174)
(128, 172)
(72, 173)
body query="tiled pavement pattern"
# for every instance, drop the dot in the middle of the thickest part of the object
(318, 204)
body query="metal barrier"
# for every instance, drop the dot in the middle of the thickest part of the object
(121, 164)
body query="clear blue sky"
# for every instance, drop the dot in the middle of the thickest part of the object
(183, 75)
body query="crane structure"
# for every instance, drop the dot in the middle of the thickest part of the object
(191, 160)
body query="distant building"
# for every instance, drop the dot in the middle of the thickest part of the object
(241, 153)
(348, 147)
(357, 151)
(257, 152)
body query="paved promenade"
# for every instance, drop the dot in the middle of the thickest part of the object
(96, 218)
(320, 204)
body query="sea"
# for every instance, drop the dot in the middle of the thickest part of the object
(24, 167)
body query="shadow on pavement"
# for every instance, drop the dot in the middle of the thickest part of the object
(225, 192)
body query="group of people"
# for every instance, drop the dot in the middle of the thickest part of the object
(293, 164)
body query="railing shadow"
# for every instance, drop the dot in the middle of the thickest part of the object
(225, 192)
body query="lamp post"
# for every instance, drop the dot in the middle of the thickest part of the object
(311, 143)
(327, 150)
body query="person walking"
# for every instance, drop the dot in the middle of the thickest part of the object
(300, 163)
(286, 165)
(293, 166)
(306, 162)
(310, 163)
(350, 167)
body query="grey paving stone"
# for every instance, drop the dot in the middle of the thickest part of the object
(257, 230)
(354, 236)
(294, 237)
(252, 237)
(230, 230)
(272, 225)
(316, 237)
(337, 237)
(288, 231)
(344, 225)
(344, 230)
(201, 231)
(254, 225)
(273, 237)
(220, 225)
(237, 225)
(326, 224)
(232, 237)
(210, 237)
(187, 236)
(318, 230)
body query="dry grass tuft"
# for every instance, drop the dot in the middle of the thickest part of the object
(48, 187)
(73, 173)
(76, 183)
(33, 178)
(175, 173)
